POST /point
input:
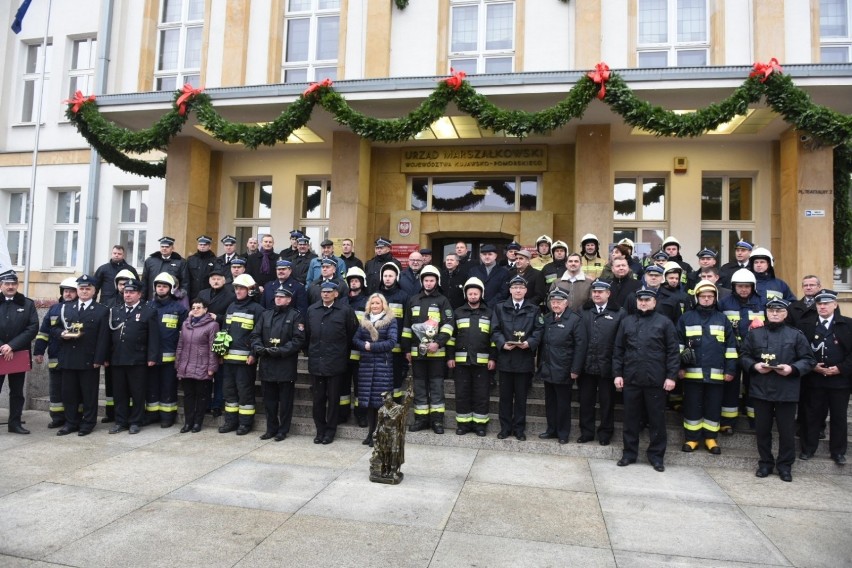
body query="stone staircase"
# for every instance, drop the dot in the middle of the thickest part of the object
(738, 451)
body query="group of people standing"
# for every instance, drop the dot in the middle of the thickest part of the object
(661, 334)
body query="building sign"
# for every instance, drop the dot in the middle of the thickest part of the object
(526, 158)
(814, 212)
(404, 227)
(401, 252)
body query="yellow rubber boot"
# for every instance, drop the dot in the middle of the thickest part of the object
(689, 447)
(712, 447)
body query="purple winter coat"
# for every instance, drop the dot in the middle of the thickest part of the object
(194, 358)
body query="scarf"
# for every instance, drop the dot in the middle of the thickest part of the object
(264, 264)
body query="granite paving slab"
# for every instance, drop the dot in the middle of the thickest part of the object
(533, 470)
(805, 492)
(641, 480)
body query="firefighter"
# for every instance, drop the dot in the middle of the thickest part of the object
(48, 341)
(161, 398)
(18, 328)
(593, 264)
(708, 351)
(425, 353)
(357, 300)
(239, 374)
(472, 355)
(397, 301)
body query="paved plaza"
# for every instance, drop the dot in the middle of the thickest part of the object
(163, 498)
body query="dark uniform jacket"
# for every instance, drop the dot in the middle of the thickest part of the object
(92, 347)
(48, 337)
(218, 301)
(300, 266)
(646, 350)
(710, 334)
(832, 348)
(199, 266)
(373, 270)
(562, 350)
(18, 322)
(134, 337)
(536, 288)
(300, 293)
(506, 322)
(409, 281)
(175, 265)
(742, 311)
(553, 271)
(240, 320)
(601, 330)
(105, 279)
(329, 332)
(224, 264)
(351, 261)
(789, 347)
(397, 302)
(276, 340)
(472, 343)
(452, 286)
(802, 316)
(495, 283)
(422, 307)
(315, 290)
(622, 289)
(770, 287)
(170, 317)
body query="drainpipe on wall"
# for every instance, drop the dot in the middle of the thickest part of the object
(101, 72)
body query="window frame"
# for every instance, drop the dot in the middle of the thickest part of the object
(639, 224)
(519, 179)
(255, 224)
(180, 73)
(76, 73)
(135, 246)
(315, 69)
(726, 225)
(18, 226)
(671, 47)
(481, 54)
(35, 78)
(317, 228)
(71, 227)
(835, 42)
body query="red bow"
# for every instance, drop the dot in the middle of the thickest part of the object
(78, 101)
(456, 80)
(315, 86)
(600, 76)
(188, 92)
(765, 69)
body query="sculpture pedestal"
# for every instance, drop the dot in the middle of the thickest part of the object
(396, 479)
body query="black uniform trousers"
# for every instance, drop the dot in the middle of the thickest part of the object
(196, 399)
(653, 401)
(326, 407)
(557, 409)
(81, 386)
(731, 400)
(428, 375)
(514, 388)
(161, 398)
(238, 388)
(702, 409)
(835, 402)
(349, 386)
(473, 386)
(278, 401)
(16, 397)
(783, 414)
(400, 370)
(128, 383)
(600, 389)
(54, 391)
(109, 410)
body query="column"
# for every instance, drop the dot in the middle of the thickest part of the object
(187, 192)
(592, 184)
(350, 185)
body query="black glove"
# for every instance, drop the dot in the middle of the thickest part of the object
(273, 351)
(258, 350)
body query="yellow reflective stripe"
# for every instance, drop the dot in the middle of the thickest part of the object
(42, 336)
(482, 358)
(451, 341)
(398, 310)
(168, 357)
(152, 407)
(56, 407)
(710, 426)
(354, 355)
(485, 326)
(464, 418)
(756, 316)
(168, 407)
(692, 425)
(447, 328)
(550, 278)
(731, 353)
(396, 348)
(406, 332)
(421, 409)
(480, 418)
(246, 410)
(437, 408)
(730, 412)
(231, 407)
(693, 374)
(749, 412)
(463, 323)
(52, 363)
(345, 400)
(461, 356)
(415, 311)
(692, 330)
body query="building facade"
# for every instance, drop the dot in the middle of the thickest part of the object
(755, 178)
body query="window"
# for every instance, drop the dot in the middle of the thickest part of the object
(673, 33)
(834, 24)
(482, 36)
(726, 213)
(16, 226)
(133, 223)
(316, 209)
(65, 232)
(34, 55)
(644, 224)
(254, 209)
(312, 39)
(482, 194)
(81, 73)
(179, 44)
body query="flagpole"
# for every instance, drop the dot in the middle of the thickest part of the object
(30, 198)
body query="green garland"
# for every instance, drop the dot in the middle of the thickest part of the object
(825, 126)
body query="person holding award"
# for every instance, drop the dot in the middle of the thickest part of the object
(776, 356)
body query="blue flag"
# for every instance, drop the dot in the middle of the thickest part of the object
(19, 16)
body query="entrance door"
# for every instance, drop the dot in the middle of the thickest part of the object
(444, 245)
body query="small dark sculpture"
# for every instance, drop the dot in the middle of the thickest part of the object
(389, 449)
